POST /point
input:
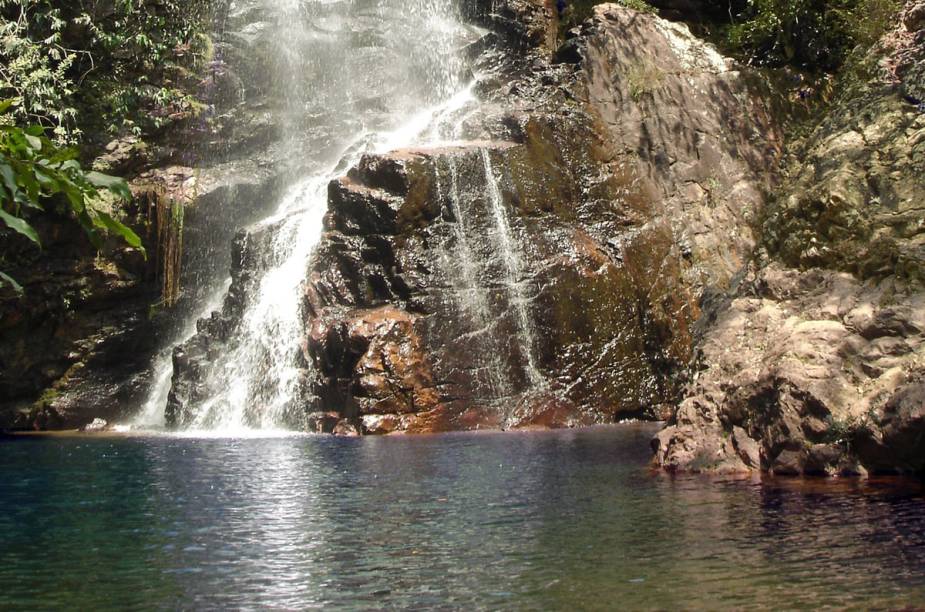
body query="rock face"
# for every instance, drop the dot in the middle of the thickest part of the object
(816, 357)
(546, 270)
(78, 313)
(443, 289)
(808, 366)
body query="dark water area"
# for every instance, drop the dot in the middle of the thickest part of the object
(541, 520)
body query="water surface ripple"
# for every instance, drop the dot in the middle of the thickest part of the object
(551, 520)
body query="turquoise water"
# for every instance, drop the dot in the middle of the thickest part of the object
(542, 520)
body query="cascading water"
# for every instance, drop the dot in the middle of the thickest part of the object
(489, 285)
(358, 76)
(514, 272)
(471, 294)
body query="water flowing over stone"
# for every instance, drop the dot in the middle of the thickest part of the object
(470, 294)
(535, 259)
(356, 77)
(539, 273)
(514, 272)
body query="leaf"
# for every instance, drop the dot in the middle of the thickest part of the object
(117, 227)
(9, 280)
(87, 223)
(112, 183)
(35, 130)
(18, 225)
(5, 106)
(34, 142)
(76, 198)
(9, 179)
(46, 181)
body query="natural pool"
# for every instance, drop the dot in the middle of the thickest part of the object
(534, 520)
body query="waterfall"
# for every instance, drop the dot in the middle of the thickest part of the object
(471, 295)
(354, 76)
(487, 277)
(514, 268)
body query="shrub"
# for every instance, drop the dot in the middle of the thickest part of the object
(812, 34)
(35, 173)
(100, 66)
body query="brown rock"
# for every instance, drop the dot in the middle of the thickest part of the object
(747, 449)
(383, 424)
(788, 463)
(346, 428)
(322, 422)
(913, 16)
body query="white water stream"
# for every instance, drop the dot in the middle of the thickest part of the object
(514, 272)
(375, 75)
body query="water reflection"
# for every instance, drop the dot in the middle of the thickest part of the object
(560, 520)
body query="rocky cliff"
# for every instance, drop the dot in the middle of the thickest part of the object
(813, 362)
(547, 267)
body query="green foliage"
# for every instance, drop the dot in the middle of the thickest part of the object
(81, 72)
(35, 173)
(813, 34)
(843, 431)
(639, 5)
(35, 75)
(643, 79)
(101, 66)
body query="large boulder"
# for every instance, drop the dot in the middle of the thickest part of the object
(814, 367)
(817, 353)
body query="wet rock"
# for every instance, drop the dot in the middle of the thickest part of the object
(382, 424)
(346, 428)
(524, 24)
(78, 342)
(322, 422)
(96, 425)
(546, 271)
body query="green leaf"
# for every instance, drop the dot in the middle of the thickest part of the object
(35, 130)
(34, 141)
(9, 179)
(112, 183)
(9, 280)
(46, 181)
(76, 198)
(5, 106)
(18, 225)
(117, 227)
